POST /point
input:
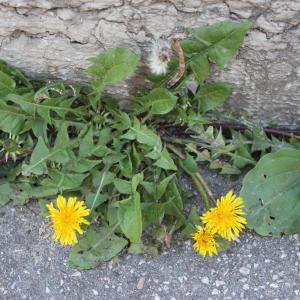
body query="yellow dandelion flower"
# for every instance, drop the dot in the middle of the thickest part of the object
(67, 218)
(204, 242)
(226, 219)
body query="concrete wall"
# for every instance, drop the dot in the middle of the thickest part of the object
(53, 38)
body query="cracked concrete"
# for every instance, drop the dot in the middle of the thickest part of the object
(52, 39)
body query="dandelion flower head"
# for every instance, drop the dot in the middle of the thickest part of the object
(227, 218)
(67, 218)
(204, 242)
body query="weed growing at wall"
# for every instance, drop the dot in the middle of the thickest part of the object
(115, 173)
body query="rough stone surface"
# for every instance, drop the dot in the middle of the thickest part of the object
(53, 38)
(33, 267)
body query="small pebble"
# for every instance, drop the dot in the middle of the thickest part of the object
(140, 284)
(244, 271)
(76, 274)
(205, 280)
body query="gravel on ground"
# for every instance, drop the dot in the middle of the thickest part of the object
(32, 266)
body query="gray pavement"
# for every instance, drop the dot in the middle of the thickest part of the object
(34, 267)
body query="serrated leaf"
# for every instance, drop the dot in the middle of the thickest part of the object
(113, 65)
(221, 40)
(63, 181)
(271, 193)
(42, 155)
(212, 95)
(98, 245)
(43, 109)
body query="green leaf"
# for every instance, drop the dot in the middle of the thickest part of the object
(192, 221)
(41, 155)
(153, 213)
(37, 165)
(200, 67)
(174, 205)
(162, 186)
(165, 161)
(43, 109)
(192, 47)
(221, 40)
(7, 84)
(136, 180)
(160, 101)
(114, 65)
(126, 167)
(100, 180)
(60, 153)
(190, 164)
(64, 181)
(145, 135)
(223, 244)
(12, 120)
(21, 193)
(98, 245)
(123, 186)
(15, 74)
(130, 218)
(86, 144)
(229, 170)
(5, 193)
(93, 200)
(242, 156)
(212, 95)
(271, 193)
(83, 165)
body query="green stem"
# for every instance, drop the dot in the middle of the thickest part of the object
(205, 186)
(146, 117)
(201, 190)
(196, 177)
(176, 151)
